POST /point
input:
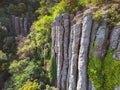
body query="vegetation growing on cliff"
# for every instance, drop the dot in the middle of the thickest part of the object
(20, 73)
(112, 18)
(104, 72)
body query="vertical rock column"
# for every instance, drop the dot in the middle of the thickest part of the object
(114, 38)
(101, 40)
(93, 34)
(115, 42)
(83, 54)
(75, 52)
(66, 23)
(25, 26)
(60, 29)
(70, 48)
(13, 24)
(17, 25)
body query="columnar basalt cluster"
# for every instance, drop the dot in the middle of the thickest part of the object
(73, 38)
(19, 25)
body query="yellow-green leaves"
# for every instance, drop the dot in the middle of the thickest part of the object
(30, 86)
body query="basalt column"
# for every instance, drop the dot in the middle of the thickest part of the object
(25, 26)
(17, 25)
(66, 24)
(75, 49)
(83, 54)
(60, 29)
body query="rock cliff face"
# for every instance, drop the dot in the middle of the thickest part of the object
(73, 38)
(19, 25)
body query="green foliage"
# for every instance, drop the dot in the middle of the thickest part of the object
(21, 8)
(11, 9)
(104, 73)
(111, 72)
(50, 88)
(114, 17)
(21, 71)
(2, 56)
(3, 62)
(36, 46)
(3, 34)
(2, 11)
(53, 71)
(71, 6)
(9, 42)
(58, 8)
(98, 16)
(5, 21)
(94, 71)
(86, 2)
(30, 86)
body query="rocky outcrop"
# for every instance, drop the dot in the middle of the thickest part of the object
(19, 25)
(73, 39)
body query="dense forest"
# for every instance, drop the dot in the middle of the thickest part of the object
(27, 61)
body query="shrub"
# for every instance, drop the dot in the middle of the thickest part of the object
(98, 16)
(2, 56)
(21, 71)
(113, 15)
(104, 73)
(30, 86)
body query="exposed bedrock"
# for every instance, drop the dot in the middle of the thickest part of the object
(74, 37)
(19, 25)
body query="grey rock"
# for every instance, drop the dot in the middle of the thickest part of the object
(101, 40)
(60, 46)
(114, 38)
(70, 48)
(93, 33)
(83, 53)
(66, 23)
(25, 26)
(17, 25)
(74, 59)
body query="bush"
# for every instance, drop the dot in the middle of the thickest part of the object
(30, 86)
(98, 16)
(5, 21)
(2, 56)
(21, 71)
(11, 9)
(104, 73)
(113, 15)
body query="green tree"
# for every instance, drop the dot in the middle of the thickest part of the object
(71, 6)
(11, 9)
